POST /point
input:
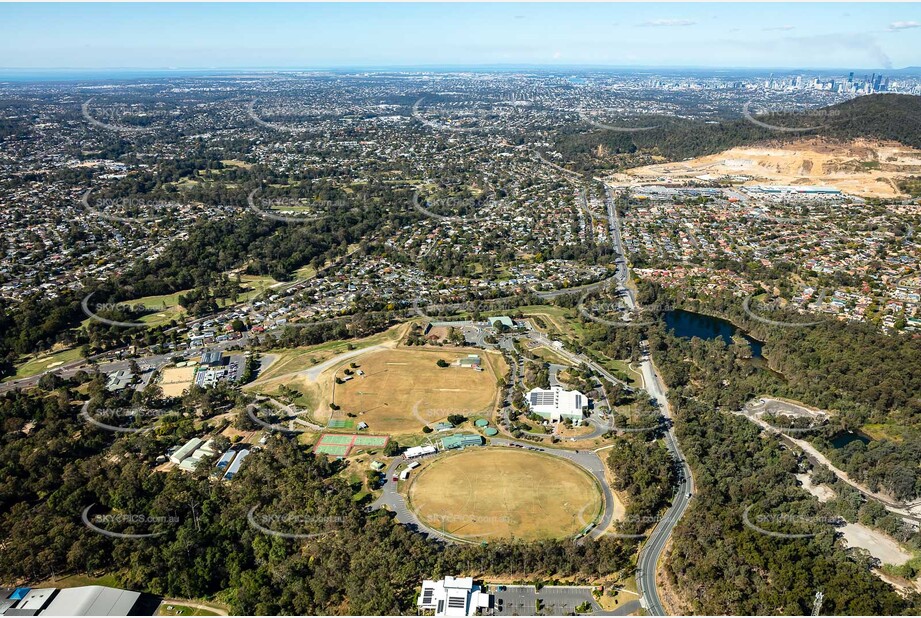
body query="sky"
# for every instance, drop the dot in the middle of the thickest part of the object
(238, 35)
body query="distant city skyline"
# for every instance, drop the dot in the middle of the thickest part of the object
(238, 36)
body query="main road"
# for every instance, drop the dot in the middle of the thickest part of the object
(651, 551)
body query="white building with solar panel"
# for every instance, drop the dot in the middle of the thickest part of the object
(556, 404)
(453, 596)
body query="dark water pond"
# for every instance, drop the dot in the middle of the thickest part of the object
(688, 324)
(843, 438)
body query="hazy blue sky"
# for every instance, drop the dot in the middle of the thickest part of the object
(342, 35)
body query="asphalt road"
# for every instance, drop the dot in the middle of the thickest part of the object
(655, 544)
(588, 460)
(652, 549)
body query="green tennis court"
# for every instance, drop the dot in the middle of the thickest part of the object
(335, 450)
(341, 424)
(341, 444)
(337, 438)
(370, 441)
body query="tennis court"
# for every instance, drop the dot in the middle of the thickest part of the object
(341, 424)
(341, 445)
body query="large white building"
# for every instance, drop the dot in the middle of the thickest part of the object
(79, 601)
(453, 596)
(556, 403)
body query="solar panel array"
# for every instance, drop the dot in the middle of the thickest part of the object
(457, 602)
(543, 398)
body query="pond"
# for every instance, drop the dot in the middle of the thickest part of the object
(688, 324)
(843, 438)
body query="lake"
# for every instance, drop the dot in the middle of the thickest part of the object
(688, 324)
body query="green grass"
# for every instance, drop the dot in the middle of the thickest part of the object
(73, 581)
(884, 431)
(618, 366)
(40, 363)
(551, 356)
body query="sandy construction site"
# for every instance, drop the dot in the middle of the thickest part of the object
(860, 167)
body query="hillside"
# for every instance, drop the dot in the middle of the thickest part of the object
(884, 118)
(867, 168)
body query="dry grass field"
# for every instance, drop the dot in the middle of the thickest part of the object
(495, 493)
(174, 380)
(403, 389)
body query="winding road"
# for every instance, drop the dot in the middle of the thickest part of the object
(652, 549)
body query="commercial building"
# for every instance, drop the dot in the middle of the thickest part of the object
(453, 596)
(461, 440)
(555, 404)
(503, 320)
(79, 601)
(192, 452)
(235, 466)
(419, 451)
(211, 359)
(119, 380)
(225, 459)
(185, 450)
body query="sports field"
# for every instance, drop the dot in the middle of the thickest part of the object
(499, 493)
(341, 445)
(404, 389)
(175, 380)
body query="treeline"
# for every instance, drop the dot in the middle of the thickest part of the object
(738, 470)
(717, 564)
(362, 563)
(883, 116)
(862, 375)
(647, 473)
